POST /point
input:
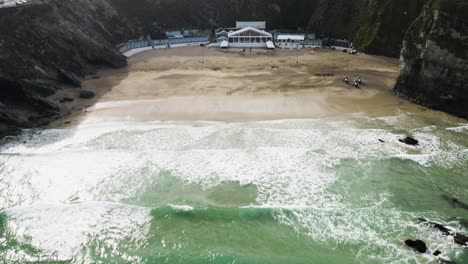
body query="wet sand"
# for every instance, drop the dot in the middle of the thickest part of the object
(231, 86)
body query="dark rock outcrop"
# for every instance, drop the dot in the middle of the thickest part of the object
(461, 239)
(434, 58)
(46, 46)
(84, 94)
(417, 245)
(455, 202)
(66, 100)
(409, 141)
(457, 237)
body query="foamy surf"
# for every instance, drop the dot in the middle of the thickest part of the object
(328, 185)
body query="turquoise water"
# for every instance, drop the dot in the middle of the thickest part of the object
(289, 191)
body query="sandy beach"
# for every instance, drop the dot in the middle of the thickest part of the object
(195, 83)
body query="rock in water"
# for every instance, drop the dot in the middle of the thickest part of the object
(446, 261)
(442, 229)
(464, 222)
(417, 245)
(457, 237)
(436, 253)
(455, 202)
(461, 239)
(409, 141)
(86, 94)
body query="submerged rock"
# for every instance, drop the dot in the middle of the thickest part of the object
(457, 237)
(437, 226)
(442, 229)
(417, 245)
(446, 261)
(455, 202)
(409, 141)
(463, 222)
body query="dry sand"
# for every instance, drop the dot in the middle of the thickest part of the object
(231, 86)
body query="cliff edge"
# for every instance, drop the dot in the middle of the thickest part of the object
(49, 45)
(434, 58)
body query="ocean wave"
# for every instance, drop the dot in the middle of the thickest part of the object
(330, 179)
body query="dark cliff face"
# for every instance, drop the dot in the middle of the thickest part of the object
(375, 27)
(216, 13)
(434, 58)
(50, 43)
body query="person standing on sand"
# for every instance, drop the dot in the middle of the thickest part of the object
(346, 80)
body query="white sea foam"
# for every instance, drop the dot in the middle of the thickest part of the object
(186, 208)
(292, 163)
(460, 129)
(59, 231)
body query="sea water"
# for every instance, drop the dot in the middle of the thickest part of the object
(330, 190)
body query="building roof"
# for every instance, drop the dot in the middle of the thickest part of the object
(291, 37)
(240, 31)
(254, 24)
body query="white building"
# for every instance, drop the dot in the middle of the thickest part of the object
(249, 37)
(290, 41)
(252, 24)
(221, 35)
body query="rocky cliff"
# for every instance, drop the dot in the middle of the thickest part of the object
(48, 44)
(434, 58)
(211, 14)
(375, 27)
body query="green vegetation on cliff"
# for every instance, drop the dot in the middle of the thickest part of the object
(375, 26)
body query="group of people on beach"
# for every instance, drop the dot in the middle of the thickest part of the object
(356, 83)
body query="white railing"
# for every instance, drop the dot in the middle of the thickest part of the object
(247, 45)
